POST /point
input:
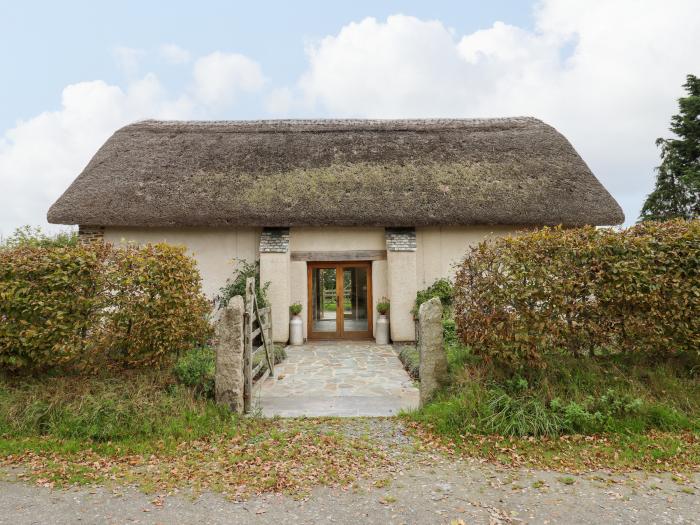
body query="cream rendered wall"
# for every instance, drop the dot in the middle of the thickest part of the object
(333, 239)
(214, 249)
(401, 287)
(326, 239)
(299, 290)
(379, 288)
(275, 268)
(440, 248)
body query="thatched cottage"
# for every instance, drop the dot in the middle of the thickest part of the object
(339, 213)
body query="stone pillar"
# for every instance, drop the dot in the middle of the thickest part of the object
(379, 288)
(275, 268)
(433, 359)
(401, 281)
(299, 291)
(228, 343)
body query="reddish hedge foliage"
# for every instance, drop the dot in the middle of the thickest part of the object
(582, 290)
(91, 305)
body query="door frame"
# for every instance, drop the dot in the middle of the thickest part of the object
(340, 333)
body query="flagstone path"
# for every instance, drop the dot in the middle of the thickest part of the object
(338, 379)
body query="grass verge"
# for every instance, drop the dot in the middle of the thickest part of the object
(146, 430)
(621, 412)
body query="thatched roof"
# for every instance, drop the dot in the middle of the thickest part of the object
(336, 172)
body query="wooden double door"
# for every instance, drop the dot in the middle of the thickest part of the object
(340, 300)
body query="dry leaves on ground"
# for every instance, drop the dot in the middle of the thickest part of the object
(287, 457)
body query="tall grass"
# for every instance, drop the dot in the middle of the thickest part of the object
(133, 407)
(618, 394)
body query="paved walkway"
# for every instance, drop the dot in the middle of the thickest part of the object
(338, 379)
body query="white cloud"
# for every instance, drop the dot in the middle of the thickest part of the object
(41, 156)
(174, 54)
(220, 77)
(401, 67)
(128, 59)
(607, 74)
(279, 101)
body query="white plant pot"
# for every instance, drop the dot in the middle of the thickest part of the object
(296, 331)
(382, 330)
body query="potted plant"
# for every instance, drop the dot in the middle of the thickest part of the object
(296, 332)
(382, 335)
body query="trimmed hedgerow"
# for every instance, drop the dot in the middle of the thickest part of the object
(90, 305)
(582, 290)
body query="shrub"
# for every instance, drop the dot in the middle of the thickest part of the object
(196, 368)
(49, 302)
(235, 285)
(295, 308)
(85, 305)
(157, 308)
(409, 356)
(442, 289)
(28, 236)
(582, 290)
(449, 330)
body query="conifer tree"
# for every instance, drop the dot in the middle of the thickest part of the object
(677, 189)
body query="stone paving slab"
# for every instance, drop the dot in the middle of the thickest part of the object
(343, 379)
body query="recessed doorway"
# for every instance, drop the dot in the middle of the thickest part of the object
(340, 295)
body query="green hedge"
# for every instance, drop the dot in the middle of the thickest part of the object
(581, 291)
(91, 305)
(442, 289)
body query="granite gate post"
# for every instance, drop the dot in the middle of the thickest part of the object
(433, 359)
(228, 343)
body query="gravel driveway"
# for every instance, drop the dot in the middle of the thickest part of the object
(435, 491)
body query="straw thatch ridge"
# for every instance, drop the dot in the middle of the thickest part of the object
(337, 172)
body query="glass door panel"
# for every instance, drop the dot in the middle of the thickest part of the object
(340, 300)
(355, 314)
(324, 310)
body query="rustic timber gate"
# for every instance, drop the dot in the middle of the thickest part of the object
(258, 348)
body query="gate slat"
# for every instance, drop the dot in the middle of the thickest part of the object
(262, 319)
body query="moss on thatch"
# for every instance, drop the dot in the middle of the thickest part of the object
(351, 173)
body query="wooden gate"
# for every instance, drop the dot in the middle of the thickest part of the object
(258, 348)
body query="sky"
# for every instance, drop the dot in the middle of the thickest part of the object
(606, 73)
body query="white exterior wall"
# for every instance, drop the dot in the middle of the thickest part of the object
(441, 248)
(214, 249)
(402, 294)
(328, 239)
(438, 250)
(380, 288)
(275, 269)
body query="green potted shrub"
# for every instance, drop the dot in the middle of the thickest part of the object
(296, 331)
(382, 332)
